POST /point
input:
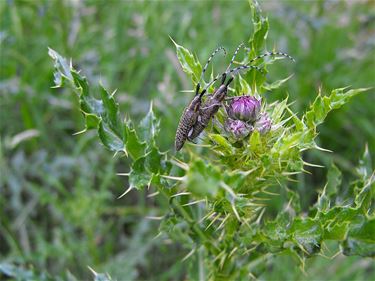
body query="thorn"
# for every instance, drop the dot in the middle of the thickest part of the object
(180, 194)
(260, 216)
(80, 132)
(212, 222)
(291, 173)
(115, 154)
(126, 192)
(154, 218)
(123, 174)
(228, 189)
(206, 217)
(335, 255)
(232, 252)
(173, 178)
(223, 222)
(93, 271)
(113, 93)
(173, 41)
(153, 194)
(180, 164)
(312, 165)
(236, 213)
(189, 255)
(322, 149)
(194, 202)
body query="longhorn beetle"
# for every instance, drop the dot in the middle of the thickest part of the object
(213, 103)
(191, 112)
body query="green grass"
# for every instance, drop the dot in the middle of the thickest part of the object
(58, 193)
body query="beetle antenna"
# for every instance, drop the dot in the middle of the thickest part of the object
(234, 56)
(271, 54)
(209, 60)
(210, 83)
(234, 71)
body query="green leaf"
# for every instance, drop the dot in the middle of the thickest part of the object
(189, 63)
(149, 127)
(222, 144)
(244, 86)
(62, 68)
(261, 26)
(334, 179)
(364, 168)
(203, 179)
(110, 112)
(275, 85)
(361, 240)
(307, 234)
(101, 276)
(102, 114)
(134, 146)
(110, 139)
(11, 271)
(147, 169)
(324, 104)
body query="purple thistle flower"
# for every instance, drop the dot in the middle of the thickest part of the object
(237, 128)
(245, 108)
(263, 124)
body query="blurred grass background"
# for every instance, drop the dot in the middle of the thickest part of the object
(59, 212)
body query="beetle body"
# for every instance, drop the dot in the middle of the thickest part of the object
(209, 109)
(188, 119)
(191, 113)
(213, 103)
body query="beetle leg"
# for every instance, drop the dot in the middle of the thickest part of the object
(189, 136)
(212, 105)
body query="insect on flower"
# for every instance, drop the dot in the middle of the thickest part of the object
(214, 101)
(196, 116)
(190, 114)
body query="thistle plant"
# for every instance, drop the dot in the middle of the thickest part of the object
(220, 193)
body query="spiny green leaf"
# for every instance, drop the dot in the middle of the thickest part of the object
(324, 104)
(110, 139)
(101, 276)
(111, 111)
(333, 180)
(361, 240)
(147, 169)
(307, 234)
(134, 146)
(102, 114)
(62, 67)
(364, 168)
(189, 63)
(149, 127)
(139, 177)
(261, 26)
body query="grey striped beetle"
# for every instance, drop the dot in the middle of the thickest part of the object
(190, 114)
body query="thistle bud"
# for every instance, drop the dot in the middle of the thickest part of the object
(263, 124)
(245, 108)
(237, 128)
